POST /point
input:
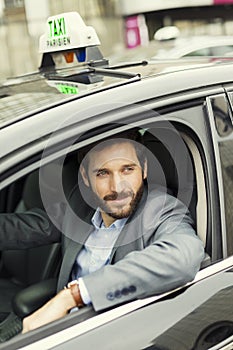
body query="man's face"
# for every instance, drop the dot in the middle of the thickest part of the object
(116, 178)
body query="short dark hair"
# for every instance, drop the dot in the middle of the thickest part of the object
(132, 136)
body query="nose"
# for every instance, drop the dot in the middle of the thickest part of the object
(117, 184)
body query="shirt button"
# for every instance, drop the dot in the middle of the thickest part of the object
(125, 291)
(132, 289)
(110, 296)
(117, 294)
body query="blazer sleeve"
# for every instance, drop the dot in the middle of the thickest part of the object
(171, 257)
(29, 229)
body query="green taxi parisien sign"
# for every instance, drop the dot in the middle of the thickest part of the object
(67, 89)
(58, 33)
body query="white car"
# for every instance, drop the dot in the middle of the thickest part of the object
(171, 45)
(181, 47)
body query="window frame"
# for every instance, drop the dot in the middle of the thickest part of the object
(217, 139)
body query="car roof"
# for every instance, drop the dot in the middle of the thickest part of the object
(88, 109)
(26, 95)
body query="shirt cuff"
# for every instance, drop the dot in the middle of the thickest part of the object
(84, 292)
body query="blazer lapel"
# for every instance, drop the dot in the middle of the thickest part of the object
(130, 238)
(76, 232)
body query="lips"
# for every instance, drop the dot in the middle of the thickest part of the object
(120, 201)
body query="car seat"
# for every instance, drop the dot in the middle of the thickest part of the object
(170, 165)
(175, 163)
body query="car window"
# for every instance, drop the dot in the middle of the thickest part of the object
(222, 50)
(224, 128)
(175, 166)
(200, 52)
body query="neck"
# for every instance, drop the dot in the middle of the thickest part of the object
(107, 219)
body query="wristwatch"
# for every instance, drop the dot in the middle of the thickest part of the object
(74, 288)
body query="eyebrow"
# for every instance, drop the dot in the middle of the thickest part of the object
(106, 169)
(95, 171)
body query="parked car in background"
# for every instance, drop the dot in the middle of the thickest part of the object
(172, 45)
(185, 116)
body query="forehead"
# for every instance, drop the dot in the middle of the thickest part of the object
(119, 152)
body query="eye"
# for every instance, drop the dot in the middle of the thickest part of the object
(102, 173)
(128, 169)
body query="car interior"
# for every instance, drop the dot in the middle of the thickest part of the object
(28, 277)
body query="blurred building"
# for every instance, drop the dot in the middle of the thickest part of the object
(23, 21)
(119, 24)
(192, 17)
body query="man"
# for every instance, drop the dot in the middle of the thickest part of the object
(133, 242)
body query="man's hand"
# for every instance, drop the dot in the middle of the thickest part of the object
(54, 309)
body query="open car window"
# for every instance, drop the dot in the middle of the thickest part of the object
(175, 166)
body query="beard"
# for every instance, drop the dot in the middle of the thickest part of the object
(124, 211)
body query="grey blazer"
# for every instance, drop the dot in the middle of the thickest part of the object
(157, 250)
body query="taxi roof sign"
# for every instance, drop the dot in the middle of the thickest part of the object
(67, 31)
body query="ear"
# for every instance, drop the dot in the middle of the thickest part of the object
(145, 170)
(84, 176)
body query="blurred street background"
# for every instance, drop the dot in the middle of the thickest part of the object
(120, 24)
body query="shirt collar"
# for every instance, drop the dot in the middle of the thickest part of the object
(97, 221)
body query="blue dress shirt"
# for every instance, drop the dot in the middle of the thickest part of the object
(96, 250)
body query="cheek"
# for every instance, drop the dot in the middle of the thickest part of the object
(99, 187)
(135, 182)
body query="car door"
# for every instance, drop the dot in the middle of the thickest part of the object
(177, 133)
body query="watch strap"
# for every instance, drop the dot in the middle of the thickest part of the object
(75, 291)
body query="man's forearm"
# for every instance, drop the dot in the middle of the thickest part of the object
(54, 309)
